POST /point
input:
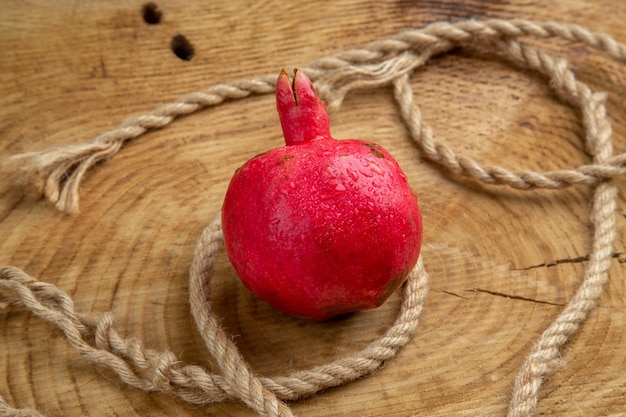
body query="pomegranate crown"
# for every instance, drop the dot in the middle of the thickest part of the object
(302, 113)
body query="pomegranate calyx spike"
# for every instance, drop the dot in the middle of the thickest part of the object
(303, 115)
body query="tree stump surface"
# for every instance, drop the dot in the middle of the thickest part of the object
(503, 263)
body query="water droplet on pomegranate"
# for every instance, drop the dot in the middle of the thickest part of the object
(376, 169)
(292, 184)
(352, 174)
(330, 172)
(376, 184)
(367, 172)
(340, 187)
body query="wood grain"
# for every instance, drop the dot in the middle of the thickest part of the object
(503, 263)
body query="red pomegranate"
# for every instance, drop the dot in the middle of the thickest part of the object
(321, 226)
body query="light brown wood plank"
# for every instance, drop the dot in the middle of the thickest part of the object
(503, 263)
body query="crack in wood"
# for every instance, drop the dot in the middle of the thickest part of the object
(452, 293)
(514, 297)
(576, 260)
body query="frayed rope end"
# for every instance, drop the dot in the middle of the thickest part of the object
(56, 174)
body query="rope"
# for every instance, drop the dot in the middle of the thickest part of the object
(97, 340)
(57, 175)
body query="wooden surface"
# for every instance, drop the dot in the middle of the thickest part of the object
(503, 263)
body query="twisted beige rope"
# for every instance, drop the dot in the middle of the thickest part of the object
(95, 338)
(57, 175)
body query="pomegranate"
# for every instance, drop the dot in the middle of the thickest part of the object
(321, 226)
